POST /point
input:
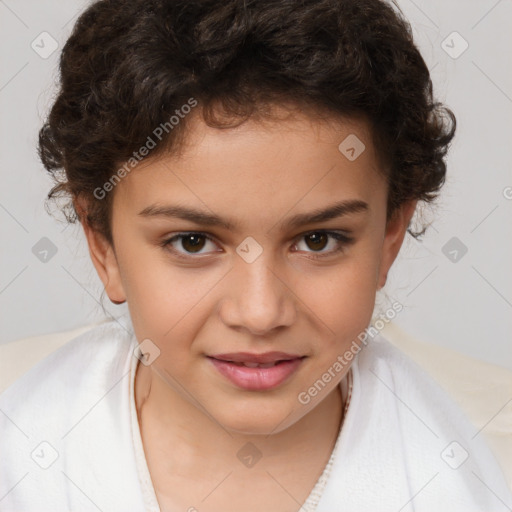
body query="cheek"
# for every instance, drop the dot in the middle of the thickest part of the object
(163, 298)
(341, 299)
(339, 306)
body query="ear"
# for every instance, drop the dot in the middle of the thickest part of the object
(103, 258)
(394, 236)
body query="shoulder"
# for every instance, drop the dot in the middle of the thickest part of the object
(65, 427)
(72, 368)
(385, 370)
(435, 440)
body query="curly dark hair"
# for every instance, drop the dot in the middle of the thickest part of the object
(131, 64)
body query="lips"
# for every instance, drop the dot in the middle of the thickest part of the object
(248, 357)
(249, 364)
(256, 372)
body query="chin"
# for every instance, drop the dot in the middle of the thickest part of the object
(255, 422)
(252, 428)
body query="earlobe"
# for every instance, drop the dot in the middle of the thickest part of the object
(105, 262)
(393, 239)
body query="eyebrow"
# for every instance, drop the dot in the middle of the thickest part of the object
(333, 211)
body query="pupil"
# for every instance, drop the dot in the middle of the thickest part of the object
(316, 239)
(194, 242)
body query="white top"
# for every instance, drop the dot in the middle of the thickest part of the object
(70, 439)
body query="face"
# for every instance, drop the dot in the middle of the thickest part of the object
(246, 243)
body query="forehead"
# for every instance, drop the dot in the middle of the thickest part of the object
(270, 165)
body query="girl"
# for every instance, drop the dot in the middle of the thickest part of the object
(245, 173)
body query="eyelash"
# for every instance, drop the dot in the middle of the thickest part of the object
(340, 237)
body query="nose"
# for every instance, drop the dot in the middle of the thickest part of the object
(257, 298)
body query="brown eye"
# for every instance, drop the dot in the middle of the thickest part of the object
(317, 241)
(189, 244)
(193, 243)
(320, 244)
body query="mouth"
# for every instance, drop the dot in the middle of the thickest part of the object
(249, 364)
(248, 357)
(257, 372)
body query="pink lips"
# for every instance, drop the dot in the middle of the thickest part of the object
(263, 371)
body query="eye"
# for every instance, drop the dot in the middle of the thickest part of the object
(317, 241)
(185, 244)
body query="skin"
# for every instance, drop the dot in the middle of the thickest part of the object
(193, 421)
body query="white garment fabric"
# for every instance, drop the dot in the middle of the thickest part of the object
(70, 441)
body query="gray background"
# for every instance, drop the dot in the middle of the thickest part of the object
(465, 305)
